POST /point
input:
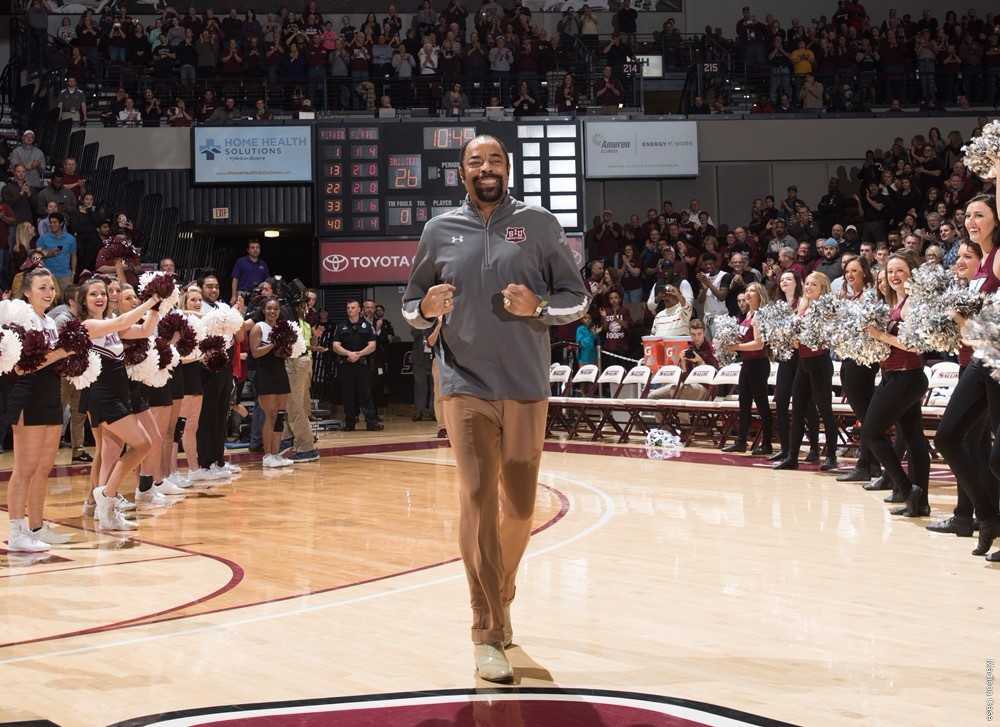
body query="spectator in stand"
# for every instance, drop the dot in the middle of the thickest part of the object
(674, 317)
(742, 277)
(30, 157)
(130, 116)
(227, 112)
(248, 272)
(714, 288)
(151, 113)
(625, 22)
(72, 103)
(206, 107)
(811, 94)
(616, 324)
(874, 204)
(830, 263)
(55, 192)
(178, 115)
(71, 180)
(586, 341)
(608, 91)
(58, 247)
(630, 274)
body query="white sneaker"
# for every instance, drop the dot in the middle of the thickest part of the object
(221, 472)
(89, 508)
(111, 518)
(50, 536)
(204, 475)
(273, 461)
(22, 540)
(169, 488)
(150, 498)
(178, 480)
(284, 461)
(124, 504)
(233, 469)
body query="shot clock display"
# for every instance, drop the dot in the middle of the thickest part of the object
(375, 180)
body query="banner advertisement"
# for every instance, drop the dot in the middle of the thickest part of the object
(369, 262)
(641, 149)
(252, 154)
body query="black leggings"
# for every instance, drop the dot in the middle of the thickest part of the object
(783, 389)
(813, 390)
(898, 400)
(974, 408)
(859, 387)
(753, 390)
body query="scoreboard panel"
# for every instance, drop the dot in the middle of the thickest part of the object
(381, 180)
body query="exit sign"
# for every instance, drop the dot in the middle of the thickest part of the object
(220, 213)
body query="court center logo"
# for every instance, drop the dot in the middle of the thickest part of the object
(209, 148)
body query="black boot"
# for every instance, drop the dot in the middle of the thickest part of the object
(787, 464)
(960, 525)
(829, 464)
(763, 450)
(778, 456)
(916, 504)
(874, 469)
(879, 483)
(739, 445)
(813, 456)
(988, 532)
(898, 495)
(857, 474)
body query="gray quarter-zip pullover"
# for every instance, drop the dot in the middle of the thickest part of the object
(484, 351)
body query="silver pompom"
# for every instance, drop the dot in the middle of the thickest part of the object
(929, 325)
(850, 337)
(725, 333)
(819, 322)
(982, 153)
(983, 334)
(779, 325)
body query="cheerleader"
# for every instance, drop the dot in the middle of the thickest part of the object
(977, 394)
(34, 408)
(108, 400)
(151, 405)
(191, 366)
(898, 401)
(114, 294)
(813, 385)
(790, 286)
(970, 257)
(171, 440)
(859, 381)
(271, 382)
(754, 372)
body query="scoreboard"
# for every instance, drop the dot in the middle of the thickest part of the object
(386, 180)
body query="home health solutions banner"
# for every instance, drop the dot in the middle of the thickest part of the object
(252, 154)
(641, 149)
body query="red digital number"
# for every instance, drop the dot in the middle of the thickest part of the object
(334, 205)
(421, 214)
(334, 170)
(334, 188)
(405, 179)
(334, 224)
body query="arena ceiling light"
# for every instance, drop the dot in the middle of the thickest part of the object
(272, 233)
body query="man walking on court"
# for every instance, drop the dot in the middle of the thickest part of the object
(500, 273)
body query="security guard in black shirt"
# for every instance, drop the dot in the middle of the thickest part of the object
(354, 343)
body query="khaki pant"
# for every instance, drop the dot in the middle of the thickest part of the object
(498, 448)
(438, 409)
(299, 378)
(71, 398)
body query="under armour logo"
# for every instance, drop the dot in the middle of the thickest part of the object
(457, 238)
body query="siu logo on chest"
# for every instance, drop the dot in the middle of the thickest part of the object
(516, 235)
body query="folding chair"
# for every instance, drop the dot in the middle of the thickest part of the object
(559, 381)
(576, 406)
(728, 375)
(611, 376)
(638, 376)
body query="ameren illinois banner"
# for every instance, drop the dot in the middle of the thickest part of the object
(252, 154)
(641, 149)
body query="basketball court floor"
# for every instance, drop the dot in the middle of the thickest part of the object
(701, 590)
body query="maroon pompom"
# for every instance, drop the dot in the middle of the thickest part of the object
(74, 339)
(164, 353)
(136, 351)
(283, 337)
(214, 356)
(175, 322)
(120, 247)
(34, 348)
(73, 365)
(161, 285)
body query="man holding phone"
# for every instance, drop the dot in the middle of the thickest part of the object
(500, 274)
(59, 249)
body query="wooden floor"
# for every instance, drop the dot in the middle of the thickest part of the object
(784, 595)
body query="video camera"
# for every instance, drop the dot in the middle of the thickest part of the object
(289, 295)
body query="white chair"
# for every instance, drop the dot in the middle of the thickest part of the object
(704, 375)
(563, 406)
(772, 377)
(637, 376)
(941, 383)
(728, 375)
(611, 376)
(667, 376)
